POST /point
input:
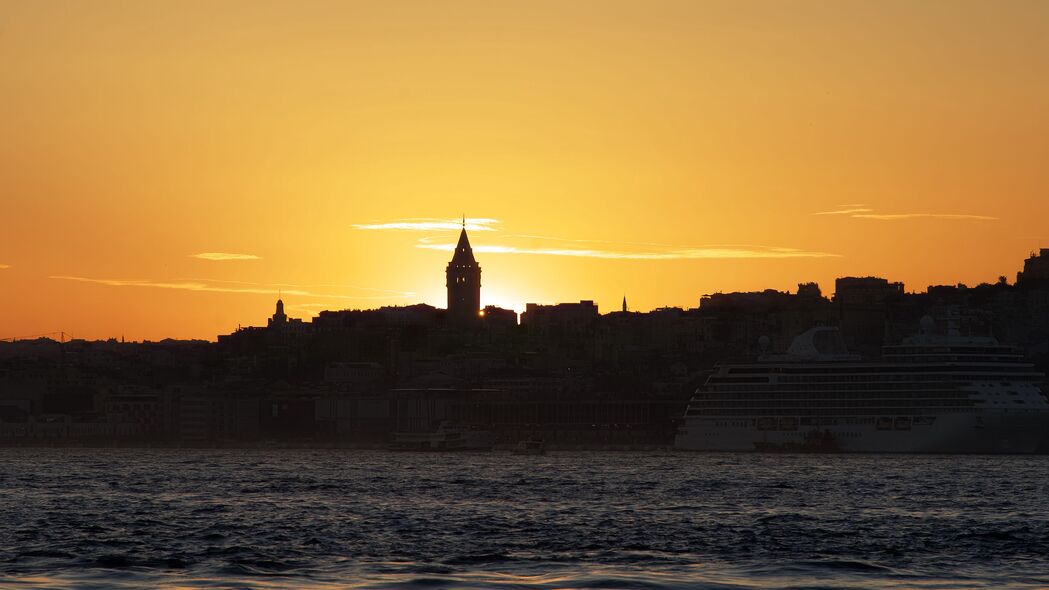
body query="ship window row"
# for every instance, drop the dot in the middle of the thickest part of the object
(933, 358)
(858, 389)
(876, 369)
(942, 375)
(835, 403)
(949, 349)
(885, 378)
(809, 421)
(829, 408)
(850, 395)
(875, 412)
(835, 387)
(878, 386)
(895, 386)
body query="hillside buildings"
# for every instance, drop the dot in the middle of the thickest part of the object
(565, 372)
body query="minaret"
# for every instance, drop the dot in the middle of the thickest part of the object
(464, 283)
(624, 303)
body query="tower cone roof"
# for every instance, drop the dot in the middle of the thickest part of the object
(464, 253)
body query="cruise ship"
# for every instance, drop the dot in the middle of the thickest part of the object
(930, 394)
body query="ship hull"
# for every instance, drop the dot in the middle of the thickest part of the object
(985, 432)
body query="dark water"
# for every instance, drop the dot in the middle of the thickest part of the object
(136, 518)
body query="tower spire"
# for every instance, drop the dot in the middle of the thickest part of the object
(464, 253)
(464, 282)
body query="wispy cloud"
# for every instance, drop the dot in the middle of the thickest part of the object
(310, 305)
(241, 287)
(681, 254)
(554, 246)
(432, 224)
(223, 256)
(864, 212)
(286, 286)
(894, 216)
(313, 308)
(547, 246)
(3, 266)
(851, 212)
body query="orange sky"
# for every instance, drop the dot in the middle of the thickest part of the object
(659, 149)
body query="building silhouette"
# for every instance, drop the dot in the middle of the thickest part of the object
(565, 373)
(464, 284)
(1036, 270)
(863, 307)
(279, 317)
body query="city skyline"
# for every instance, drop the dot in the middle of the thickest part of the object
(466, 309)
(464, 297)
(168, 170)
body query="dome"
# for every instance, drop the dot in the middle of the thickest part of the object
(927, 324)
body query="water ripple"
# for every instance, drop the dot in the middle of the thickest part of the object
(340, 519)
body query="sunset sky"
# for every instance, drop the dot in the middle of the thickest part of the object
(167, 167)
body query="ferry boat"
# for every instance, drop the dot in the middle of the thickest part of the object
(530, 447)
(446, 438)
(930, 394)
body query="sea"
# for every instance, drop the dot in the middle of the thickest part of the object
(273, 518)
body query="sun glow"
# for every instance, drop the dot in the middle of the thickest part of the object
(171, 165)
(502, 299)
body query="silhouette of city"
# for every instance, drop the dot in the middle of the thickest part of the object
(564, 374)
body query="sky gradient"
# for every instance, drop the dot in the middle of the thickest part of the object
(167, 167)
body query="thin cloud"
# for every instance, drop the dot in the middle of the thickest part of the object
(851, 212)
(553, 246)
(308, 286)
(3, 266)
(650, 252)
(321, 306)
(223, 256)
(313, 308)
(864, 212)
(210, 287)
(894, 216)
(432, 224)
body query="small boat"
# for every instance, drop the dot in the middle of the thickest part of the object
(445, 438)
(530, 447)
